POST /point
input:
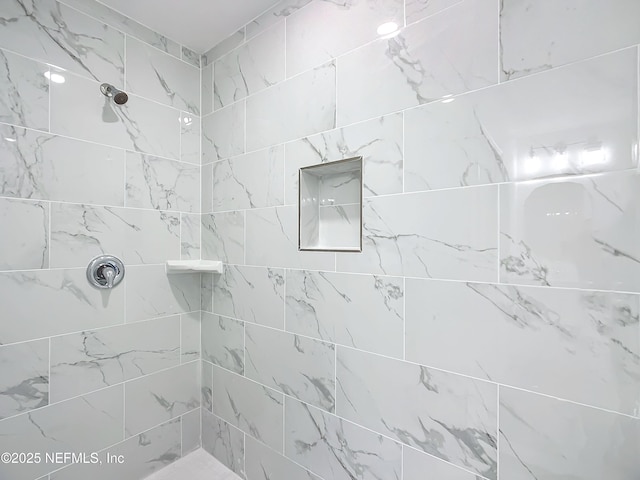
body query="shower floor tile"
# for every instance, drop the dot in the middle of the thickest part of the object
(198, 465)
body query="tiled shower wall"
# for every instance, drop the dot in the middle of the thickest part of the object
(489, 329)
(84, 370)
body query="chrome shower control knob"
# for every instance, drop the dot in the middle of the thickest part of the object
(105, 271)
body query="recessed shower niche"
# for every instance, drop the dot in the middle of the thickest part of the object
(330, 206)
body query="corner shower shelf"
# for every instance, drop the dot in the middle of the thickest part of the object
(192, 266)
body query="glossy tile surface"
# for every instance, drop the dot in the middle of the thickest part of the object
(449, 416)
(453, 52)
(223, 441)
(449, 234)
(545, 437)
(579, 232)
(590, 339)
(253, 294)
(336, 449)
(223, 342)
(300, 106)
(360, 311)
(505, 134)
(256, 65)
(253, 180)
(25, 242)
(25, 380)
(90, 360)
(302, 368)
(537, 36)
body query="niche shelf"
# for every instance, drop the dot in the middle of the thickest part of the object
(192, 266)
(330, 206)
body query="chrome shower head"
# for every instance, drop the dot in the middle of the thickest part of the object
(118, 96)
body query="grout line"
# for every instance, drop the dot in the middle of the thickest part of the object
(498, 433)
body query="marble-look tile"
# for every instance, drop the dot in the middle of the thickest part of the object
(336, 449)
(53, 302)
(542, 437)
(223, 342)
(575, 232)
(274, 15)
(79, 110)
(190, 56)
(40, 166)
(191, 425)
(206, 188)
(24, 384)
(537, 36)
(206, 386)
(418, 466)
(162, 184)
(262, 463)
(206, 292)
(323, 31)
(189, 337)
(272, 239)
(80, 232)
(190, 138)
(446, 415)
(300, 367)
(160, 397)
(24, 245)
(144, 454)
(300, 106)
(224, 442)
(418, 9)
(223, 237)
(190, 226)
(94, 359)
(223, 133)
(254, 409)
(505, 133)
(69, 426)
(253, 180)
(378, 141)
(162, 77)
(253, 294)
(590, 340)
(448, 234)
(206, 86)
(152, 293)
(54, 33)
(24, 91)
(452, 52)
(256, 65)
(125, 24)
(361, 311)
(224, 47)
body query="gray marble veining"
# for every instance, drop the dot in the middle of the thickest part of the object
(590, 340)
(24, 384)
(336, 449)
(24, 91)
(27, 247)
(300, 367)
(162, 184)
(446, 415)
(223, 237)
(64, 37)
(253, 294)
(364, 312)
(90, 360)
(161, 396)
(224, 442)
(223, 342)
(40, 166)
(255, 409)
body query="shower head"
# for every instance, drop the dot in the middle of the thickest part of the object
(118, 96)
